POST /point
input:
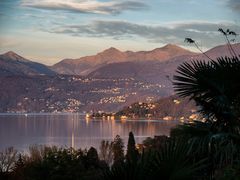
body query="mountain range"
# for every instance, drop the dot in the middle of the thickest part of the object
(113, 63)
(108, 81)
(156, 70)
(88, 64)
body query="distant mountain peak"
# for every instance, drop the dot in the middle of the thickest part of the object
(172, 49)
(10, 53)
(13, 56)
(13, 64)
(171, 46)
(111, 50)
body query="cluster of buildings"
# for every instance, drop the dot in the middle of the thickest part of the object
(113, 99)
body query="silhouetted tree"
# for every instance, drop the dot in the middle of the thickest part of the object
(8, 157)
(132, 152)
(118, 151)
(58, 163)
(214, 86)
(92, 158)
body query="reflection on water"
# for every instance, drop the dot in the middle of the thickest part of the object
(73, 130)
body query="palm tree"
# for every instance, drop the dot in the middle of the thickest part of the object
(215, 87)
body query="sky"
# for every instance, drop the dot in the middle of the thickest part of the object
(48, 31)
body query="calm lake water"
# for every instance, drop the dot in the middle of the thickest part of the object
(72, 130)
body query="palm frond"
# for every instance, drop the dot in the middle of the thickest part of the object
(214, 86)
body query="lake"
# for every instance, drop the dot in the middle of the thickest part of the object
(73, 130)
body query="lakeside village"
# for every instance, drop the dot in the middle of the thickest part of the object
(144, 111)
(113, 116)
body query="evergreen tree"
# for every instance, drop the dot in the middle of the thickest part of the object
(118, 151)
(92, 158)
(132, 153)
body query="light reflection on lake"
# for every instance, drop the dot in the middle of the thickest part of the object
(73, 130)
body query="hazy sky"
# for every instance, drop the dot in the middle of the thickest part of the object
(48, 31)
